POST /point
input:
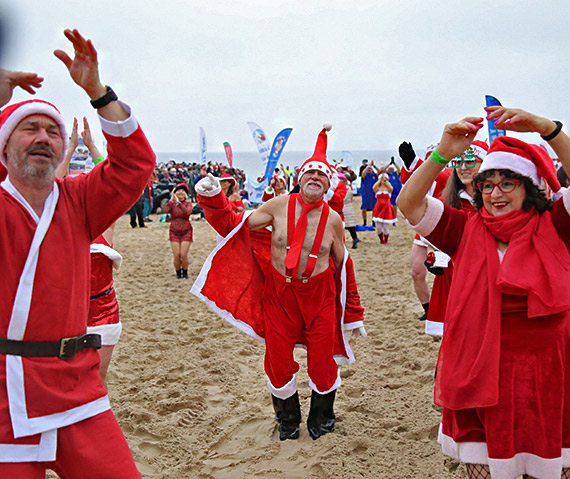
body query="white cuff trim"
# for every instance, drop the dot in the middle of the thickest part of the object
(286, 391)
(123, 128)
(413, 166)
(110, 333)
(351, 326)
(431, 217)
(434, 328)
(335, 386)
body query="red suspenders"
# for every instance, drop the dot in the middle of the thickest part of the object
(313, 255)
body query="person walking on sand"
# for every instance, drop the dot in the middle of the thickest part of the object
(295, 286)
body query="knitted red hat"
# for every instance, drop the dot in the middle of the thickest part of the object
(508, 153)
(12, 115)
(319, 159)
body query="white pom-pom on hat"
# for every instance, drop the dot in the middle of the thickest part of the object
(327, 126)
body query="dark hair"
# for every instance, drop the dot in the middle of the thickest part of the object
(534, 198)
(450, 194)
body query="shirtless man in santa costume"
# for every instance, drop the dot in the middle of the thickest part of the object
(54, 411)
(309, 292)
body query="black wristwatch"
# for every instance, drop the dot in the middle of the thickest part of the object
(105, 99)
(553, 135)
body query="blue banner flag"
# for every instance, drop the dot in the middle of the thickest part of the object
(493, 132)
(276, 150)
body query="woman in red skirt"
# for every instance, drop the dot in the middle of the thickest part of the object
(503, 372)
(383, 214)
(180, 210)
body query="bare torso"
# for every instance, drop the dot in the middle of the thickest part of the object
(274, 214)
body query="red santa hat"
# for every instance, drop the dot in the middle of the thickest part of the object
(12, 115)
(479, 149)
(228, 177)
(319, 159)
(508, 153)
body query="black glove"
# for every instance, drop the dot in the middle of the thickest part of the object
(407, 153)
(429, 264)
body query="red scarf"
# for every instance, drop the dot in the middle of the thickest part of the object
(536, 265)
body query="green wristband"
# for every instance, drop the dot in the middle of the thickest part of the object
(98, 160)
(440, 160)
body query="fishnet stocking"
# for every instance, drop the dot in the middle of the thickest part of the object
(478, 471)
(566, 473)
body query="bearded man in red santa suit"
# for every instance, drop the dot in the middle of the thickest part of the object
(307, 278)
(54, 411)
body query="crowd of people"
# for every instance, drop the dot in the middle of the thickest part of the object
(492, 223)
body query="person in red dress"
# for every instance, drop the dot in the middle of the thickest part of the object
(383, 214)
(502, 373)
(180, 210)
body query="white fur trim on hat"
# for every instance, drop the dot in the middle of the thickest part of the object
(502, 160)
(27, 109)
(319, 166)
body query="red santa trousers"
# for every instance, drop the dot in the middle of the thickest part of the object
(300, 313)
(94, 448)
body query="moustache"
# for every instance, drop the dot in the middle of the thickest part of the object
(37, 148)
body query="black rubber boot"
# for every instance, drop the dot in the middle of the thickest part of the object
(424, 316)
(179, 273)
(321, 416)
(288, 415)
(184, 273)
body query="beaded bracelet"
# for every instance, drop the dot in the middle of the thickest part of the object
(440, 160)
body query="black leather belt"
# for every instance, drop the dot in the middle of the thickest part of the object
(65, 348)
(104, 293)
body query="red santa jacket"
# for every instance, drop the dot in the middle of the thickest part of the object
(48, 393)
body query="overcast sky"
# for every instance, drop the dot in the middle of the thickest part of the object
(380, 71)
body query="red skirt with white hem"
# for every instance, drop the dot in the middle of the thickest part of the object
(528, 430)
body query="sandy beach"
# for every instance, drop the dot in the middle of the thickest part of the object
(190, 393)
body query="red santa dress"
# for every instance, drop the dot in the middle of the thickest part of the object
(502, 375)
(103, 315)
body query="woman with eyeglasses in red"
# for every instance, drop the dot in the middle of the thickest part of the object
(503, 373)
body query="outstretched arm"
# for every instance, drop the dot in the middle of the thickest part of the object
(10, 80)
(84, 71)
(455, 139)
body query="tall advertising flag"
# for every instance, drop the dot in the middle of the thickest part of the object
(203, 160)
(229, 154)
(261, 141)
(276, 150)
(493, 132)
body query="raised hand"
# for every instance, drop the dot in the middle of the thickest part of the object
(407, 153)
(9, 80)
(519, 120)
(457, 137)
(83, 68)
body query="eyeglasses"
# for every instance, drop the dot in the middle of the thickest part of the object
(457, 162)
(506, 186)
